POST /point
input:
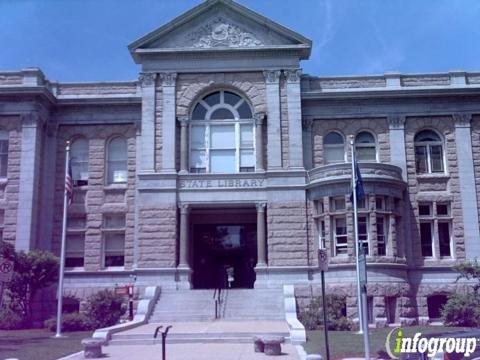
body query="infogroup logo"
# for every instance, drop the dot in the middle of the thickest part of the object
(428, 344)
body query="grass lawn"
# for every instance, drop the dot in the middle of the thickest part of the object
(36, 344)
(348, 343)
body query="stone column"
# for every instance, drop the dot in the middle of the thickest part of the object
(183, 261)
(168, 122)
(274, 150)
(147, 144)
(294, 108)
(398, 157)
(468, 192)
(183, 120)
(29, 177)
(261, 240)
(259, 140)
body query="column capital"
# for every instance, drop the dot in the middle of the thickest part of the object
(261, 206)
(396, 122)
(31, 119)
(292, 75)
(272, 76)
(184, 208)
(147, 79)
(259, 117)
(307, 122)
(168, 78)
(182, 120)
(462, 120)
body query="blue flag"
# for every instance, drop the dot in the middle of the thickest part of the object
(358, 185)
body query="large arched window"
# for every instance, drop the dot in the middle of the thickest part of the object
(334, 148)
(3, 153)
(222, 135)
(79, 161)
(365, 149)
(428, 152)
(117, 160)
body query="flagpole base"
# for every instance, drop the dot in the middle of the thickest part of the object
(59, 336)
(359, 332)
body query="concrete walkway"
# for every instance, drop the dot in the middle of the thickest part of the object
(190, 352)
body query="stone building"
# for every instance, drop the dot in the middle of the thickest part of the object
(223, 155)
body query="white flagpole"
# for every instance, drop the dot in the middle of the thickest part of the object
(62, 247)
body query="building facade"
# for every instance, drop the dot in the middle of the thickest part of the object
(224, 158)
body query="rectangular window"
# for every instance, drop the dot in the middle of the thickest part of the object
(421, 159)
(74, 250)
(363, 233)
(362, 203)
(222, 148)
(320, 207)
(380, 203)
(340, 235)
(381, 236)
(426, 238)
(436, 157)
(337, 204)
(114, 239)
(424, 209)
(444, 238)
(443, 210)
(321, 234)
(247, 154)
(4, 156)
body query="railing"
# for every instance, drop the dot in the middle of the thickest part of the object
(217, 298)
(164, 339)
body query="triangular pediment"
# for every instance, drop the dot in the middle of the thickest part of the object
(220, 25)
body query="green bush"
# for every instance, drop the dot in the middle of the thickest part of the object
(70, 322)
(10, 320)
(105, 309)
(462, 310)
(312, 317)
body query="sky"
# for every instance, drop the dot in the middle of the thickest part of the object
(86, 40)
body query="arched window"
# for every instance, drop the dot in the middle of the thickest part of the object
(117, 161)
(222, 135)
(428, 152)
(365, 149)
(334, 148)
(3, 153)
(79, 161)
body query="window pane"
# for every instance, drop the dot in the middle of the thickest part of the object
(199, 112)
(246, 136)
(334, 154)
(2, 217)
(444, 238)
(114, 221)
(421, 159)
(117, 161)
(77, 222)
(379, 203)
(442, 209)
(244, 111)
(198, 137)
(437, 158)
(381, 236)
(212, 99)
(198, 159)
(340, 226)
(117, 172)
(424, 209)
(222, 161)
(333, 138)
(426, 239)
(364, 138)
(231, 98)
(75, 243)
(247, 158)
(3, 153)
(221, 114)
(3, 165)
(117, 149)
(114, 249)
(79, 161)
(222, 137)
(365, 153)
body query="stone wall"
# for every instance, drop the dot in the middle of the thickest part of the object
(9, 187)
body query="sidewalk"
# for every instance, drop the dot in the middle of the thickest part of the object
(189, 352)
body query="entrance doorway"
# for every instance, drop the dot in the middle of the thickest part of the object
(225, 255)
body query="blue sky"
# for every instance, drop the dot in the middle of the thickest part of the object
(86, 40)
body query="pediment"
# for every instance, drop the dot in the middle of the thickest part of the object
(220, 25)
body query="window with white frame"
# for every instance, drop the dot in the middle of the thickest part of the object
(365, 149)
(340, 235)
(321, 233)
(381, 223)
(435, 229)
(428, 152)
(3, 154)
(222, 135)
(444, 229)
(79, 161)
(114, 240)
(75, 241)
(117, 160)
(334, 148)
(425, 213)
(337, 204)
(363, 233)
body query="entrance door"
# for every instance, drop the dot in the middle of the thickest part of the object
(224, 255)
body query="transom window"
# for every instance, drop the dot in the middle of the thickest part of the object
(334, 148)
(428, 152)
(365, 149)
(222, 135)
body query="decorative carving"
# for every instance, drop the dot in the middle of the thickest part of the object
(293, 75)
(462, 119)
(183, 120)
(259, 118)
(272, 76)
(261, 206)
(396, 121)
(147, 79)
(220, 33)
(184, 208)
(168, 79)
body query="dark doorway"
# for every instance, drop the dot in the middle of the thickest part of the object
(435, 305)
(224, 255)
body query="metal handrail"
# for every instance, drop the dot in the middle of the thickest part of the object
(164, 339)
(216, 297)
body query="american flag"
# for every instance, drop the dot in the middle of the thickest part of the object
(69, 184)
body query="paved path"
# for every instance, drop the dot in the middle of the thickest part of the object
(190, 352)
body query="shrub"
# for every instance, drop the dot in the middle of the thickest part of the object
(10, 320)
(70, 322)
(312, 317)
(462, 310)
(105, 309)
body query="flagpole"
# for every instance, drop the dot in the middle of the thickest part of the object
(62, 247)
